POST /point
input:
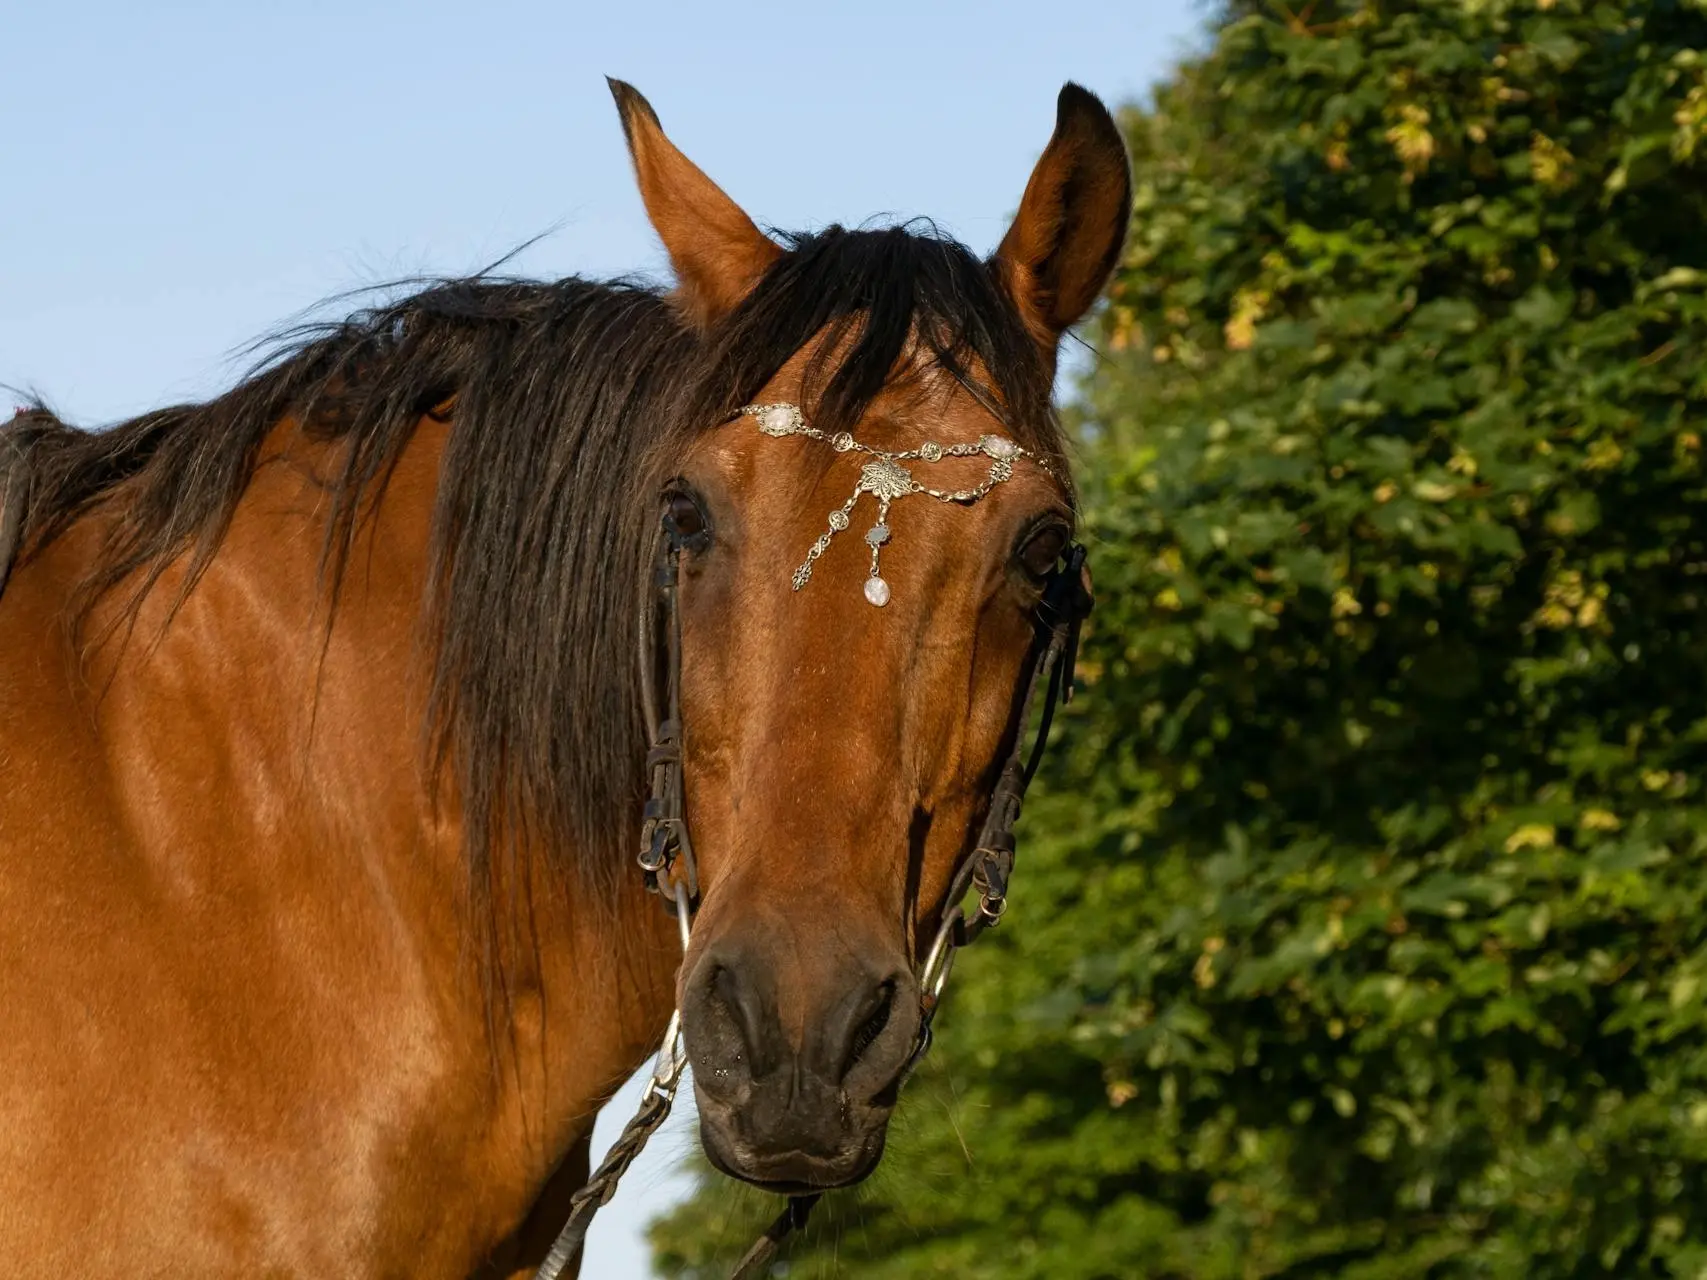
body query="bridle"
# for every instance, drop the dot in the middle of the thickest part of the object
(671, 870)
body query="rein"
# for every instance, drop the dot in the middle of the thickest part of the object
(671, 870)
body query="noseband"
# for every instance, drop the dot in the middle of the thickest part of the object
(671, 870)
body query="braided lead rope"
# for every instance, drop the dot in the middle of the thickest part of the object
(602, 1186)
(654, 1109)
(757, 1259)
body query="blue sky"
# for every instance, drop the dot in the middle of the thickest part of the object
(179, 178)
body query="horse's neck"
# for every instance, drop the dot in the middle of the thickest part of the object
(256, 756)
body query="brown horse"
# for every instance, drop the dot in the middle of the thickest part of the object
(322, 741)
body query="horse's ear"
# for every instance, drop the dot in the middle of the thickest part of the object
(1072, 220)
(717, 252)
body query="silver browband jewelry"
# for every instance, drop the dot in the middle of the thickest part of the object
(886, 479)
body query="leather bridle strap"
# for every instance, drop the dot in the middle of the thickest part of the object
(1060, 615)
(667, 860)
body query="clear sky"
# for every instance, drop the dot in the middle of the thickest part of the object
(177, 178)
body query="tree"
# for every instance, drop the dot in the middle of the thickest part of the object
(1360, 930)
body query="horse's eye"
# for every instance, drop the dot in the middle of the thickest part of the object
(685, 519)
(1042, 549)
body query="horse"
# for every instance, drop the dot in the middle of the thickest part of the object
(326, 726)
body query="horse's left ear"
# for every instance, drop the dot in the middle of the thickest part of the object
(717, 252)
(1072, 220)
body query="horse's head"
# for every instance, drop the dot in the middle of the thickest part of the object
(849, 685)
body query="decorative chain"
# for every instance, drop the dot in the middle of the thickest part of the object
(887, 480)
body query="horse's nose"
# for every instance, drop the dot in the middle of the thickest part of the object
(855, 1029)
(797, 1054)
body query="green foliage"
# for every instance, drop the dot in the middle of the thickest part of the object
(1360, 929)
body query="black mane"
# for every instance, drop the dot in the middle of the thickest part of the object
(570, 402)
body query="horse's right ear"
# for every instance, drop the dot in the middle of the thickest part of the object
(717, 252)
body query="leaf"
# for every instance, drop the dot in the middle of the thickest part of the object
(1541, 308)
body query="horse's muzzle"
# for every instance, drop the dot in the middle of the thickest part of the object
(805, 1106)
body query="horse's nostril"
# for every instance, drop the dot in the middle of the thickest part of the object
(735, 1022)
(865, 1035)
